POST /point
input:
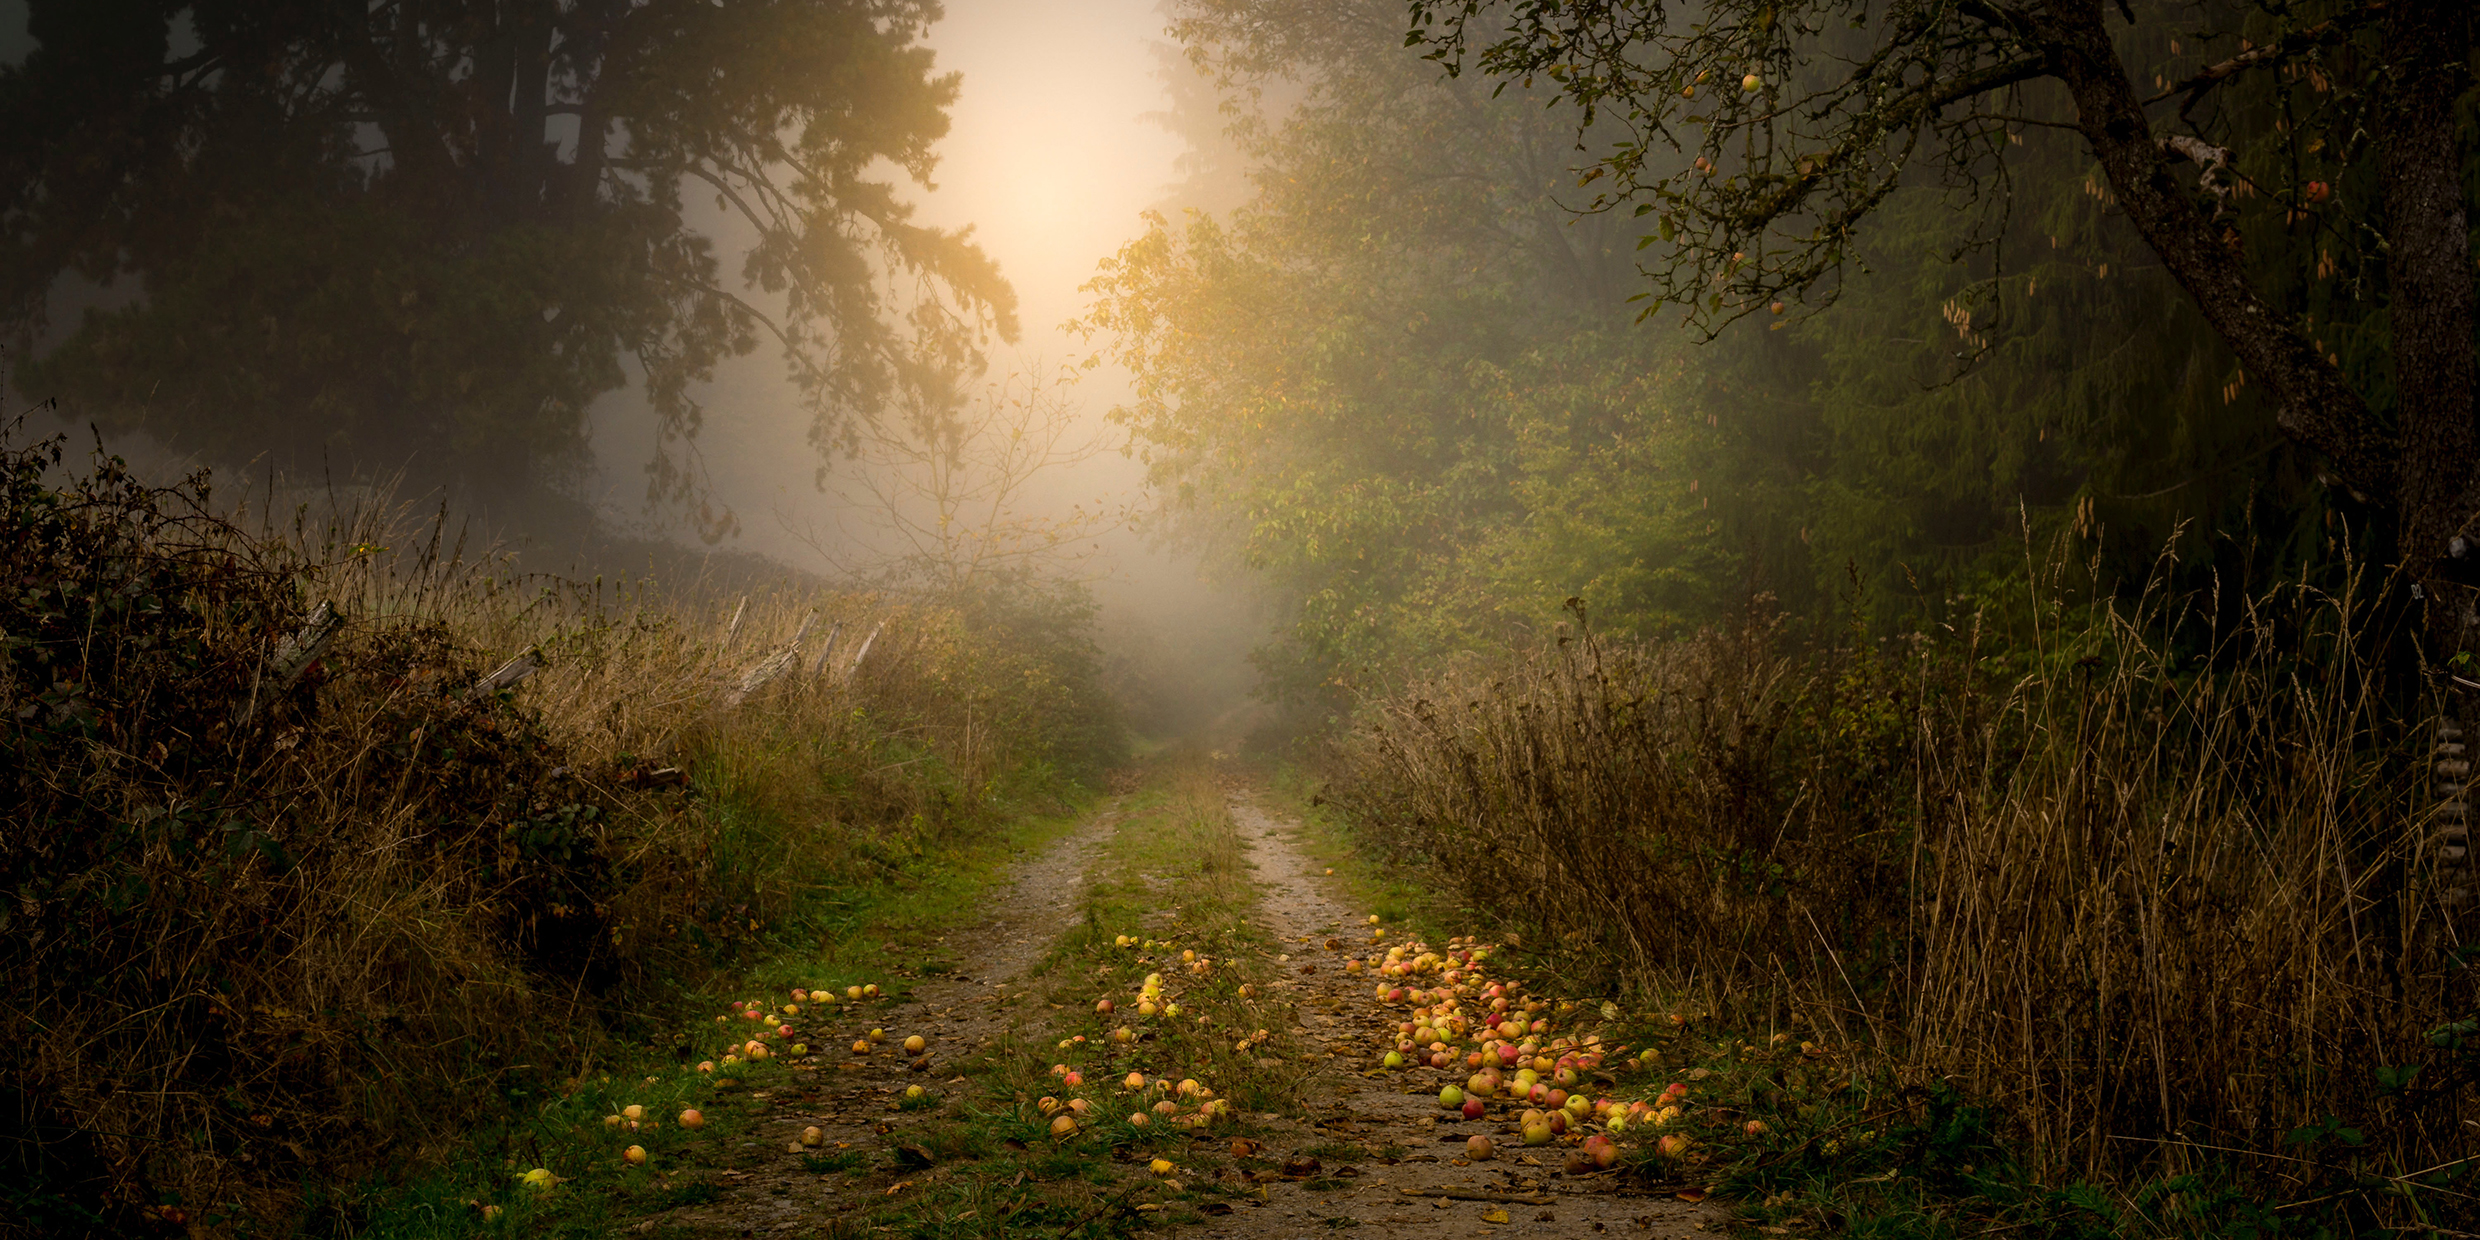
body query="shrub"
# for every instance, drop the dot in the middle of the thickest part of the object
(2160, 887)
(290, 889)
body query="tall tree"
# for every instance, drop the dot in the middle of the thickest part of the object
(440, 228)
(1765, 134)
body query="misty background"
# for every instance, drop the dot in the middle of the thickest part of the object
(1062, 135)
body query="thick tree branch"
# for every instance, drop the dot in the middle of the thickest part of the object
(2287, 48)
(2314, 405)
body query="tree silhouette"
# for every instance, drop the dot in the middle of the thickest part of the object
(438, 229)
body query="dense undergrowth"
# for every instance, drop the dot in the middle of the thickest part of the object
(290, 903)
(2144, 901)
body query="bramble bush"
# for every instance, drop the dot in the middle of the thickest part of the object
(280, 911)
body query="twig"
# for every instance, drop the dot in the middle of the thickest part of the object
(1460, 1195)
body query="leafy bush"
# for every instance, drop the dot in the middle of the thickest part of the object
(289, 895)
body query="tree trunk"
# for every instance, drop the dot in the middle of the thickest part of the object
(2314, 406)
(2429, 287)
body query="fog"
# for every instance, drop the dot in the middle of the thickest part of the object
(1049, 162)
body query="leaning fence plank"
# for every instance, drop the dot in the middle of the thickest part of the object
(761, 674)
(510, 674)
(290, 658)
(854, 667)
(825, 649)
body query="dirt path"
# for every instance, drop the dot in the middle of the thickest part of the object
(1391, 1159)
(766, 1184)
(1372, 1151)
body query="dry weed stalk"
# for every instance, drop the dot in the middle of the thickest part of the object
(2155, 890)
(253, 949)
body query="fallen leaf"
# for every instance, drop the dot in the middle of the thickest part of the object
(1690, 1195)
(898, 1186)
(1216, 1208)
(1494, 1216)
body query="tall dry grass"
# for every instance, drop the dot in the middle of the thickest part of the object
(2154, 877)
(265, 934)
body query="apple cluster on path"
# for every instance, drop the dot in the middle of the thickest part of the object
(1435, 1183)
(1387, 1150)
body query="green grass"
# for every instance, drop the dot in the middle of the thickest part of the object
(1172, 874)
(837, 940)
(1399, 892)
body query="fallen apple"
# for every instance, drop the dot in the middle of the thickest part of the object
(915, 1093)
(1474, 1109)
(1451, 1097)
(870, 991)
(1537, 1133)
(691, 1118)
(915, 1044)
(813, 1136)
(539, 1179)
(1479, 1148)
(1063, 1126)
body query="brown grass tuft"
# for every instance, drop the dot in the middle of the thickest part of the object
(267, 934)
(2154, 881)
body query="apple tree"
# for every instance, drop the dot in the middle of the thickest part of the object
(1762, 136)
